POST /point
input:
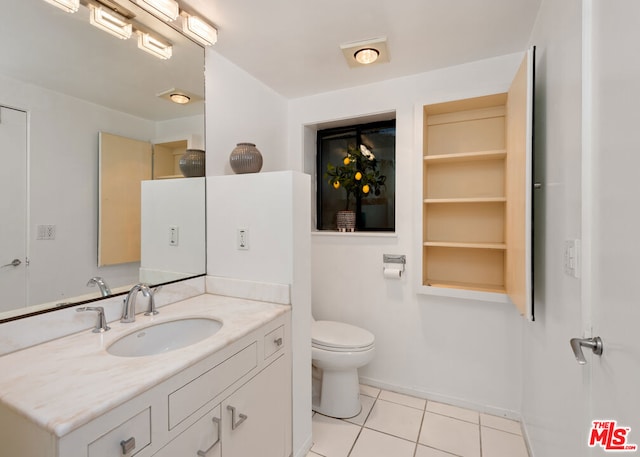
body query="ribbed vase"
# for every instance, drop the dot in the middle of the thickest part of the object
(192, 163)
(245, 158)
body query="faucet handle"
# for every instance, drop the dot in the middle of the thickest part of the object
(151, 310)
(101, 322)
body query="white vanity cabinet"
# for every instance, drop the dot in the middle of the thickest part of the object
(233, 402)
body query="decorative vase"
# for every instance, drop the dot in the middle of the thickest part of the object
(346, 221)
(245, 158)
(192, 163)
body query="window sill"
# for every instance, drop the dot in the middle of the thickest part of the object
(354, 234)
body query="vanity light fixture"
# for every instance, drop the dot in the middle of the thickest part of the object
(167, 10)
(70, 6)
(199, 30)
(154, 46)
(110, 22)
(367, 52)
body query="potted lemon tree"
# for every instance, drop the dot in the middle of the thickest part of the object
(359, 176)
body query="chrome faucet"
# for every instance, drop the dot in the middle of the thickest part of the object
(129, 303)
(98, 281)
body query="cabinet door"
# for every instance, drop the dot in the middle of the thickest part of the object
(519, 169)
(201, 439)
(262, 402)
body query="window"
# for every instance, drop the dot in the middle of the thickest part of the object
(356, 172)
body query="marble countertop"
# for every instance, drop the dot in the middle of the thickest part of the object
(65, 383)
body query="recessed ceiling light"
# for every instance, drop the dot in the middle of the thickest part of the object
(366, 52)
(366, 55)
(179, 96)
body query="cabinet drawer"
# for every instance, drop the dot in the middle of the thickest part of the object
(138, 428)
(273, 342)
(203, 436)
(191, 397)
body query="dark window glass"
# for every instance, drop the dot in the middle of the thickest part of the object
(339, 186)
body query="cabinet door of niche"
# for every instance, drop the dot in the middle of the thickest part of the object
(477, 194)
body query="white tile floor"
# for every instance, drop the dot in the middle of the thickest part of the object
(397, 425)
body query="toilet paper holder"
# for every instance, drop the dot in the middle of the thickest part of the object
(392, 261)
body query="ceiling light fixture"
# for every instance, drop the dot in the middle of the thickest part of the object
(154, 46)
(180, 96)
(70, 6)
(367, 52)
(167, 10)
(180, 99)
(110, 22)
(366, 55)
(200, 31)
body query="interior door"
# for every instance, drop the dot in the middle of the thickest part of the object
(13, 208)
(615, 225)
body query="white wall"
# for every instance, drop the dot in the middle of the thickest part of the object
(63, 167)
(460, 351)
(241, 109)
(64, 187)
(273, 208)
(172, 203)
(552, 381)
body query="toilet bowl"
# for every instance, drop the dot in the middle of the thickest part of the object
(337, 351)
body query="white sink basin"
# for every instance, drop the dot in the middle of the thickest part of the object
(164, 337)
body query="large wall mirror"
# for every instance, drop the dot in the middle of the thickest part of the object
(63, 84)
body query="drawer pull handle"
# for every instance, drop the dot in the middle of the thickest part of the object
(234, 423)
(204, 453)
(128, 445)
(278, 341)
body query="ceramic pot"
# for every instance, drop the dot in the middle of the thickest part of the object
(346, 221)
(245, 158)
(191, 163)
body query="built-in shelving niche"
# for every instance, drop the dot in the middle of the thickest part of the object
(476, 196)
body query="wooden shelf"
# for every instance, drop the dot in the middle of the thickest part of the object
(466, 200)
(454, 244)
(465, 286)
(466, 156)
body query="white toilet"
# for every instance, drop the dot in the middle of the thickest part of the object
(338, 350)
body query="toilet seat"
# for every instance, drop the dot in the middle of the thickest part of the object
(340, 337)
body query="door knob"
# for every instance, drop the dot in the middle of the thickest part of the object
(14, 263)
(595, 344)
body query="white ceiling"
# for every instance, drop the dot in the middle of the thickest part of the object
(293, 46)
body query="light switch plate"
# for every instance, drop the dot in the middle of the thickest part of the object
(242, 241)
(572, 258)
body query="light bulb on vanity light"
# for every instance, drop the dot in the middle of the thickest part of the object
(154, 46)
(70, 6)
(167, 10)
(110, 22)
(199, 30)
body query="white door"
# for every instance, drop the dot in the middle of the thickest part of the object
(13, 208)
(614, 248)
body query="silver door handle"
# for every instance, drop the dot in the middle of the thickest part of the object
(235, 423)
(595, 344)
(14, 263)
(204, 453)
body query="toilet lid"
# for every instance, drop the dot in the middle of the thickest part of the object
(340, 335)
